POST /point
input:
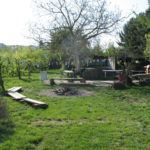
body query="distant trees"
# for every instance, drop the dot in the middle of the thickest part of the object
(111, 50)
(19, 61)
(97, 50)
(108, 51)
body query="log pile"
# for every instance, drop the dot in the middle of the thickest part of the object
(13, 92)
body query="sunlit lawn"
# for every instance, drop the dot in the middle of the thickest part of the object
(109, 119)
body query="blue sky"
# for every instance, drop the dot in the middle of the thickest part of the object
(15, 15)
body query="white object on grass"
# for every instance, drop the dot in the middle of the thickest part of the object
(43, 75)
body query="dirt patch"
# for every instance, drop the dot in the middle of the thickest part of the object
(72, 93)
(27, 89)
(61, 121)
(50, 120)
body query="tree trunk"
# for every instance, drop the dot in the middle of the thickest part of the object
(1, 81)
(77, 61)
(30, 69)
(63, 65)
(127, 80)
(19, 72)
(18, 69)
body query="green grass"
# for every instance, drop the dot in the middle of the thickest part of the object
(109, 120)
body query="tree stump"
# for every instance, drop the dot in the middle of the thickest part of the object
(118, 86)
(52, 82)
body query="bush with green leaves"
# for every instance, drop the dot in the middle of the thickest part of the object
(19, 61)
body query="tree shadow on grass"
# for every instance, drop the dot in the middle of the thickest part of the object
(6, 125)
(30, 80)
(6, 129)
(142, 90)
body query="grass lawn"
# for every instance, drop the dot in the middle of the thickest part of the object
(108, 120)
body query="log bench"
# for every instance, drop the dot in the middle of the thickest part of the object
(71, 79)
(76, 84)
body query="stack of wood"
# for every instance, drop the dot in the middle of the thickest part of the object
(13, 92)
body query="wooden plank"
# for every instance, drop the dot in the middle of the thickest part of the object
(35, 102)
(68, 71)
(14, 89)
(75, 79)
(71, 79)
(32, 101)
(141, 76)
(15, 95)
(76, 84)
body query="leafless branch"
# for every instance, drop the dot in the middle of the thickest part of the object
(92, 18)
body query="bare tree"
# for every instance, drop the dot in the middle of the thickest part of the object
(91, 18)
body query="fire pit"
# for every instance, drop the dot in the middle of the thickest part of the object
(66, 91)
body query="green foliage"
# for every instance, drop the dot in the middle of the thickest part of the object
(97, 50)
(60, 44)
(68, 46)
(146, 21)
(111, 50)
(18, 61)
(133, 38)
